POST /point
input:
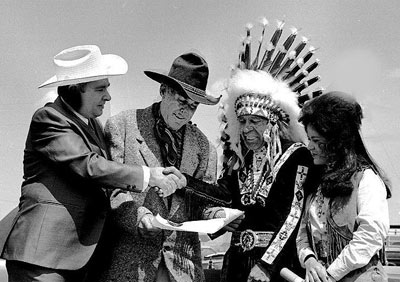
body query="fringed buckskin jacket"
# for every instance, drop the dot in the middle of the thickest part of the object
(357, 226)
(132, 257)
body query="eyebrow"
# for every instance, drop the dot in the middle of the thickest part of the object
(102, 86)
(317, 138)
(192, 104)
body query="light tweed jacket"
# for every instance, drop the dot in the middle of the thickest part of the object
(133, 258)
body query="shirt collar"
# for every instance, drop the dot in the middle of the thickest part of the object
(85, 120)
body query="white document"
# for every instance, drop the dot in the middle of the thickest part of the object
(201, 226)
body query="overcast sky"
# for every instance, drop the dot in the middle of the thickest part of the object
(358, 45)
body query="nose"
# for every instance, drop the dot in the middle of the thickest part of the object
(107, 96)
(247, 127)
(310, 146)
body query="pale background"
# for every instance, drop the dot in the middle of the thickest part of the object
(358, 41)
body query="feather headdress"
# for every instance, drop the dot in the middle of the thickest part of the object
(271, 86)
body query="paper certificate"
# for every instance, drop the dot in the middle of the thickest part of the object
(201, 226)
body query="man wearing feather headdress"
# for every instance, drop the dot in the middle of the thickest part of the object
(266, 166)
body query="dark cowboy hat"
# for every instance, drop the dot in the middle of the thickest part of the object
(189, 74)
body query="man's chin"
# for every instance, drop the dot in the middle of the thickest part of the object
(176, 125)
(252, 146)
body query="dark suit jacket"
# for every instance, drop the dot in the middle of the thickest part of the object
(63, 207)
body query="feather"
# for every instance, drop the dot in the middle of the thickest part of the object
(247, 46)
(301, 46)
(309, 54)
(306, 84)
(313, 66)
(241, 53)
(264, 23)
(289, 41)
(300, 63)
(266, 61)
(303, 98)
(286, 65)
(278, 32)
(304, 73)
(255, 61)
(276, 63)
(309, 95)
(298, 78)
(247, 52)
(317, 92)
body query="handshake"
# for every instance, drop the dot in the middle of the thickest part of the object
(166, 180)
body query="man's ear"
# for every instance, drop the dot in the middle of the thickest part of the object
(163, 89)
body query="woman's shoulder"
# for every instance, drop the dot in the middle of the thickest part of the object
(367, 180)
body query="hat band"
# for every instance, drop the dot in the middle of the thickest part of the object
(192, 89)
(259, 105)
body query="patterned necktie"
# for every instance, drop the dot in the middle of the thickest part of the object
(170, 141)
(169, 148)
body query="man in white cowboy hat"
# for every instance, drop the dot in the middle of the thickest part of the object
(162, 135)
(63, 202)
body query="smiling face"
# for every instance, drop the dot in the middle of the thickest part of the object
(251, 129)
(94, 97)
(176, 109)
(317, 146)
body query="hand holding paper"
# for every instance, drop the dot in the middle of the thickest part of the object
(201, 226)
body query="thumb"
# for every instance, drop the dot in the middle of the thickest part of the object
(169, 170)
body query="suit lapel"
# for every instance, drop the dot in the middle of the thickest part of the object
(144, 132)
(98, 133)
(89, 132)
(148, 146)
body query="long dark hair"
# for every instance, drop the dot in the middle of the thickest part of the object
(336, 116)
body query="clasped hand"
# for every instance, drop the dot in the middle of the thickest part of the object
(166, 180)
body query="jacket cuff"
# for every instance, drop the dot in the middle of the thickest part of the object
(337, 270)
(141, 212)
(146, 177)
(303, 254)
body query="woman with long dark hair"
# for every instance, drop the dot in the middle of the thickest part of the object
(346, 219)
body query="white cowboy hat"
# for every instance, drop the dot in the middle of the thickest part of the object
(83, 64)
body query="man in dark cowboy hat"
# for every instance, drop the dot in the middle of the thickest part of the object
(63, 202)
(156, 136)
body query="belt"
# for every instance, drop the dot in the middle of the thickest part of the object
(249, 239)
